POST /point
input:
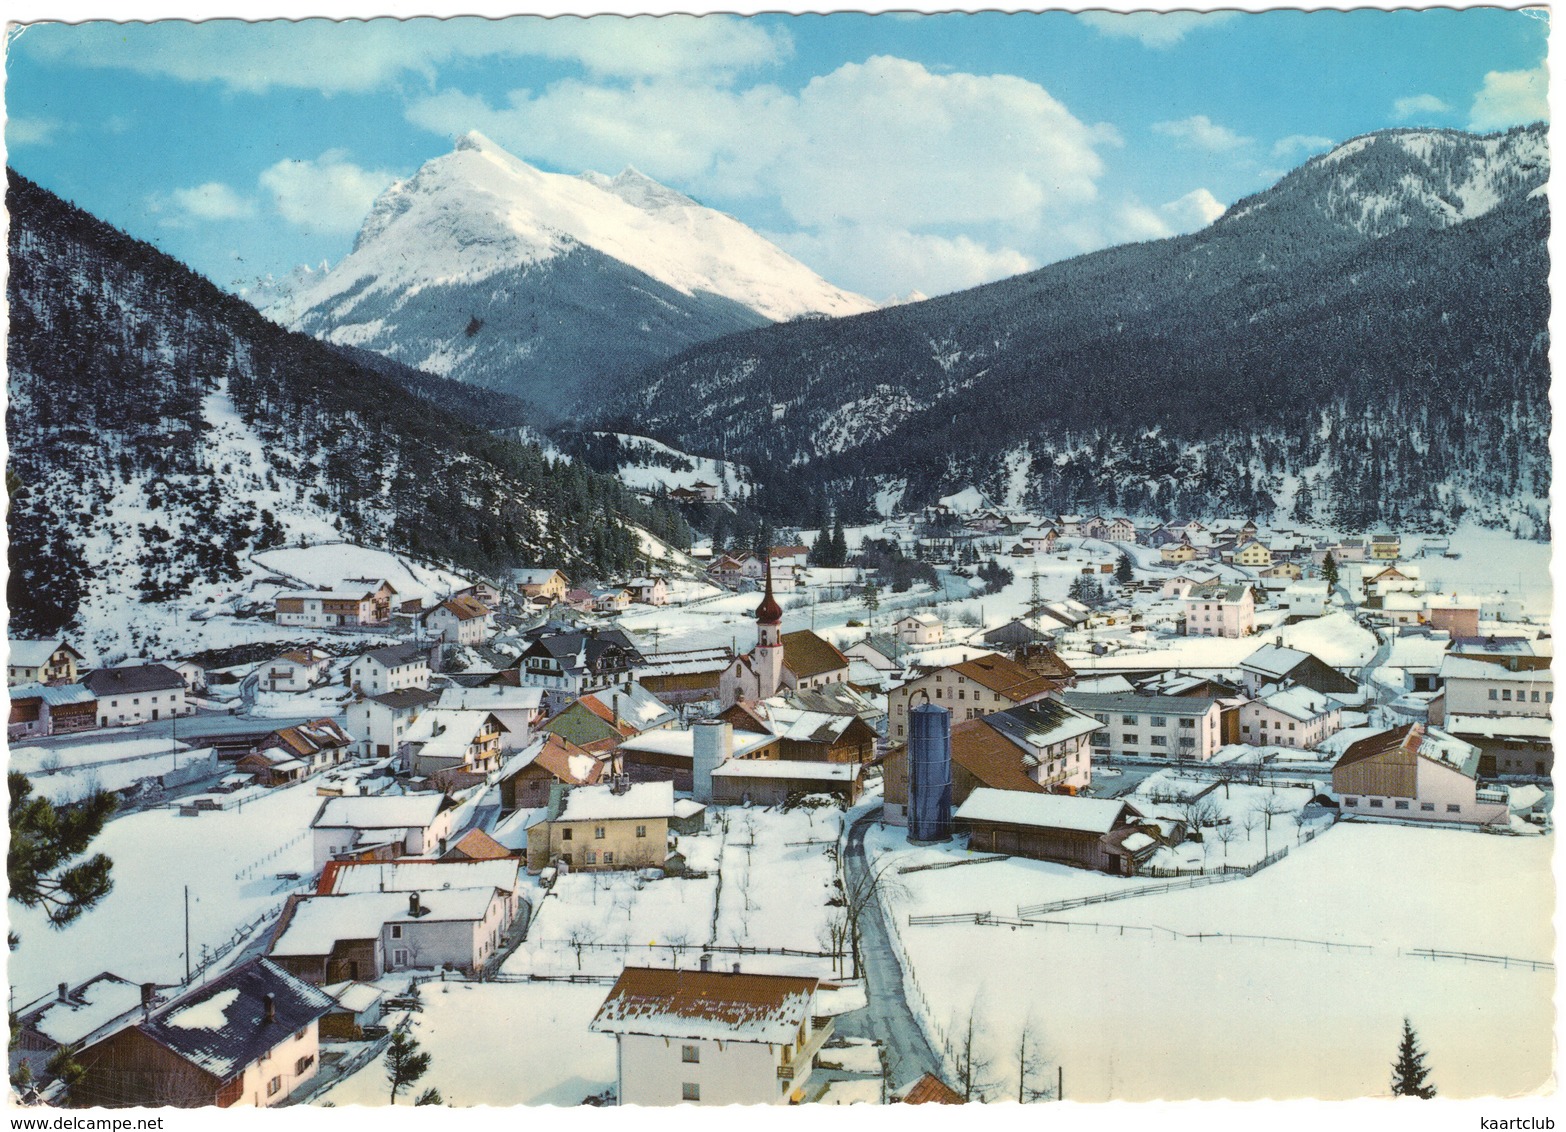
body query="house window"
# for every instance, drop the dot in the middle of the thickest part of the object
(1160, 741)
(1158, 721)
(1184, 742)
(1188, 723)
(592, 856)
(396, 931)
(565, 834)
(303, 1063)
(962, 695)
(1535, 697)
(1453, 808)
(1427, 807)
(641, 831)
(608, 858)
(1291, 727)
(1351, 801)
(598, 832)
(274, 1086)
(1128, 738)
(1506, 693)
(1245, 730)
(1493, 694)
(690, 1092)
(1128, 720)
(691, 1054)
(1401, 804)
(1377, 804)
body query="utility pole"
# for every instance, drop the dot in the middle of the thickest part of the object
(1060, 1082)
(187, 933)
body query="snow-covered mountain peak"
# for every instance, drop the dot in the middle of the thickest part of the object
(479, 210)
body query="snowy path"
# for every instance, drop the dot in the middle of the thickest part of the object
(887, 1018)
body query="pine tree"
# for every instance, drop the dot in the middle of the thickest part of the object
(1408, 1071)
(404, 1063)
(1123, 573)
(44, 840)
(1329, 571)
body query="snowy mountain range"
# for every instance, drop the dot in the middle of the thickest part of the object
(1363, 342)
(483, 268)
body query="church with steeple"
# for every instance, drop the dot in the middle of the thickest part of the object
(780, 661)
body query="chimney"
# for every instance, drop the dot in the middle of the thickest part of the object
(736, 967)
(65, 992)
(269, 1009)
(147, 990)
(413, 904)
(1278, 641)
(706, 962)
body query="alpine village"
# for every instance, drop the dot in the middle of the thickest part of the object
(460, 677)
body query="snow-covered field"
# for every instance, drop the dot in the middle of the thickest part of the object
(230, 859)
(1135, 1011)
(770, 876)
(327, 566)
(499, 1044)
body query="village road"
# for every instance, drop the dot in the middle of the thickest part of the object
(888, 1017)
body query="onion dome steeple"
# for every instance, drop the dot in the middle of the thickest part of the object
(769, 612)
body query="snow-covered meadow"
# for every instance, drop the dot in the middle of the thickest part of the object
(1160, 997)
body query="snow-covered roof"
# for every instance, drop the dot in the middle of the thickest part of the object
(1500, 726)
(682, 743)
(804, 769)
(32, 654)
(444, 732)
(379, 811)
(490, 697)
(355, 997)
(1299, 702)
(1274, 660)
(1046, 811)
(1042, 724)
(86, 1009)
(319, 922)
(55, 695)
(1467, 668)
(716, 1005)
(343, 877)
(1136, 842)
(601, 803)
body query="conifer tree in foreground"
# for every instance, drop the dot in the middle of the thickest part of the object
(1408, 1071)
(405, 1064)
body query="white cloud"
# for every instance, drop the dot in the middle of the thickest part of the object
(1300, 143)
(213, 201)
(1201, 132)
(879, 261)
(30, 131)
(328, 194)
(1511, 98)
(1412, 107)
(1197, 209)
(361, 55)
(885, 142)
(1153, 29)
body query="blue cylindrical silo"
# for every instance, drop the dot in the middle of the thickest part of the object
(929, 773)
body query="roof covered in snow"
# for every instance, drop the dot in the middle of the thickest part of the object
(805, 770)
(35, 654)
(379, 811)
(600, 803)
(1044, 811)
(717, 1005)
(343, 877)
(319, 922)
(491, 697)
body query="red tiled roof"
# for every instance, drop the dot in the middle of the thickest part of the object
(930, 1089)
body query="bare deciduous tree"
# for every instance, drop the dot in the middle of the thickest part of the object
(969, 1064)
(1031, 1063)
(1225, 834)
(1271, 806)
(577, 938)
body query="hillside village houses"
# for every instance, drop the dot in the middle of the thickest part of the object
(137, 693)
(389, 669)
(297, 670)
(41, 662)
(460, 620)
(332, 609)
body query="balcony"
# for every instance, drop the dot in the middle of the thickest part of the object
(821, 1030)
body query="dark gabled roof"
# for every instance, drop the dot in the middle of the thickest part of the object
(406, 698)
(136, 678)
(597, 646)
(1005, 676)
(805, 654)
(220, 1028)
(395, 656)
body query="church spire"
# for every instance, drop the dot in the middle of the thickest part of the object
(769, 612)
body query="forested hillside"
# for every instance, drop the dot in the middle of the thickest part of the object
(1364, 342)
(161, 430)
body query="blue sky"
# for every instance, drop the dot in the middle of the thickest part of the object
(892, 153)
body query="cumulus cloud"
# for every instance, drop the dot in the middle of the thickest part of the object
(1130, 221)
(1300, 143)
(1201, 132)
(1153, 29)
(1511, 98)
(1412, 107)
(879, 261)
(30, 131)
(185, 208)
(328, 194)
(881, 142)
(213, 201)
(1197, 209)
(354, 56)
